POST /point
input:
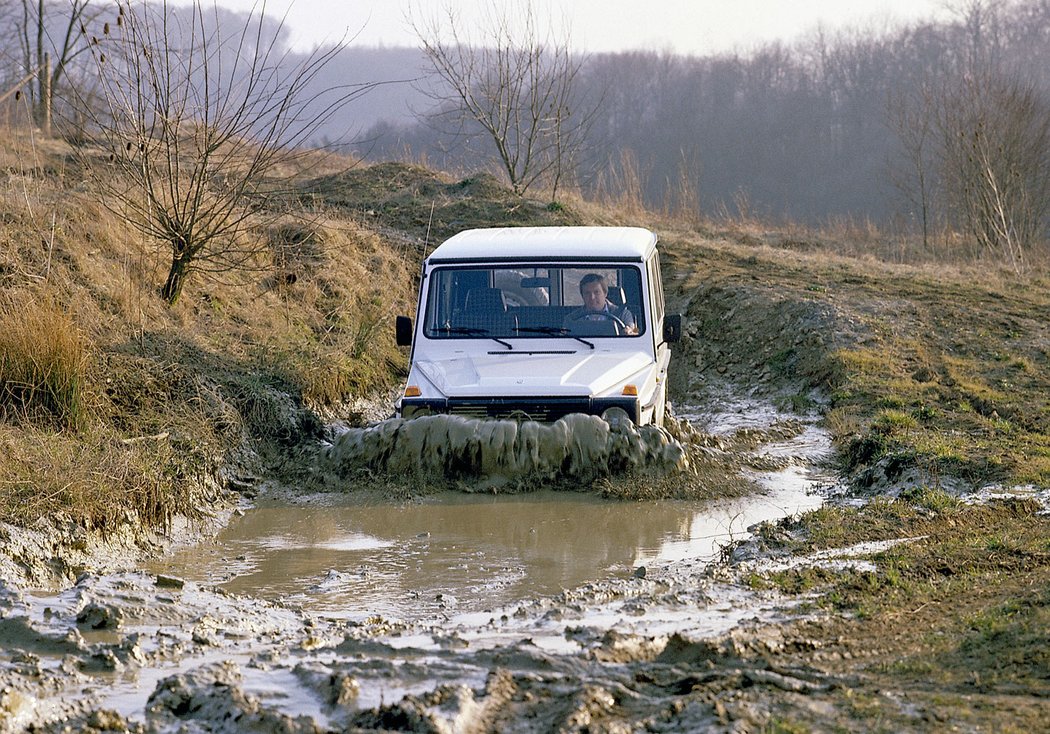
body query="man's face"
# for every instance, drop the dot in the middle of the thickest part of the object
(593, 296)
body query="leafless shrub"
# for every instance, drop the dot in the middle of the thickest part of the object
(515, 86)
(996, 160)
(196, 126)
(912, 117)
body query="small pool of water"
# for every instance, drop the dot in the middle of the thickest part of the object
(459, 553)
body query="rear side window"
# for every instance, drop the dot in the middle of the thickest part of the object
(656, 287)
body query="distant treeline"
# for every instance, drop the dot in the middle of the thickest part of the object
(929, 127)
(849, 123)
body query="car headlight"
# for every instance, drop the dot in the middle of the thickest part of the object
(616, 417)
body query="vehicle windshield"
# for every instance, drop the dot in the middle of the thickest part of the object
(569, 301)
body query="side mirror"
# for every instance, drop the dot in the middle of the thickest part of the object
(673, 328)
(403, 331)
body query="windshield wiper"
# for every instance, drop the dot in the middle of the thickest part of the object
(471, 331)
(551, 331)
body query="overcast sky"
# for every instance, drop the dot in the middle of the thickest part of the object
(685, 26)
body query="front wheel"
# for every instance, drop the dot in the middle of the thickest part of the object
(660, 408)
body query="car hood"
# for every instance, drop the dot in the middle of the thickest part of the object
(524, 374)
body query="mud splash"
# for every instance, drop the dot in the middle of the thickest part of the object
(577, 448)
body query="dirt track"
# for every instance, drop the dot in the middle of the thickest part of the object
(132, 651)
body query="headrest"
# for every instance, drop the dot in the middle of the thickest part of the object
(485, 299)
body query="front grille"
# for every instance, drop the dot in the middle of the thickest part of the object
(470, 411)
(541, 410)
(546, 411)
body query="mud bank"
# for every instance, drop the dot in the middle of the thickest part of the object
(149, 654)
(56, 553)
(687, 646)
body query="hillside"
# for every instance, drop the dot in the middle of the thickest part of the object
(125, 419)
(929, 373)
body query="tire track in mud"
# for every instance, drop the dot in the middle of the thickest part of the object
(233, 664)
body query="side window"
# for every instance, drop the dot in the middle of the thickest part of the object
(656, 287)
(439, 301)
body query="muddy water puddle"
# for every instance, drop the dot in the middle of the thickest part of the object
(461, 553)
(325, 606)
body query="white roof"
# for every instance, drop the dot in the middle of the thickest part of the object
(562, 243)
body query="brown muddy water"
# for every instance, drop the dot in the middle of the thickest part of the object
(462, 553)
(453, 552)
(307, 615)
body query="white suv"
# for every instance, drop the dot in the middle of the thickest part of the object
(536, 323)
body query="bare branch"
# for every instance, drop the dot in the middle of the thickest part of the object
(514, 86)
(195, 121)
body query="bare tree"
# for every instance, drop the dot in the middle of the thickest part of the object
(996, 162)
(195, 123)
(50, 36)
(515, 85)
(981, 25)
(912, 116)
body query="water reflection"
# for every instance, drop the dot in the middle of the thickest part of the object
(457, 552)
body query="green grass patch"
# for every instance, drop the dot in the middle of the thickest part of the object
(950, 545)
(964, 603)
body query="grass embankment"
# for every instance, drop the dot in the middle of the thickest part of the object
(949, 628)
(115, 406)
(934, 377)
(942, 371)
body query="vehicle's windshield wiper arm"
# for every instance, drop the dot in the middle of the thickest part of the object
(551, 331)
(470, 331)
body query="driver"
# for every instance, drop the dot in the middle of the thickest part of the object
(596, 306)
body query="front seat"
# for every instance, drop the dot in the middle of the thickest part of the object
(485, 309)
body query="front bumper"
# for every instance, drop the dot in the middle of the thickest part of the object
(542, 410)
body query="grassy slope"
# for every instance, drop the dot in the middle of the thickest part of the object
(939, 371)
(168, 396)
(945, 371)
(935, 377)
(165, 393)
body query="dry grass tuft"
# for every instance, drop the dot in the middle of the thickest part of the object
(43, 364)
(95, 479)
(296, 247)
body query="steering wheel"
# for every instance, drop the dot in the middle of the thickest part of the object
(621, 327)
